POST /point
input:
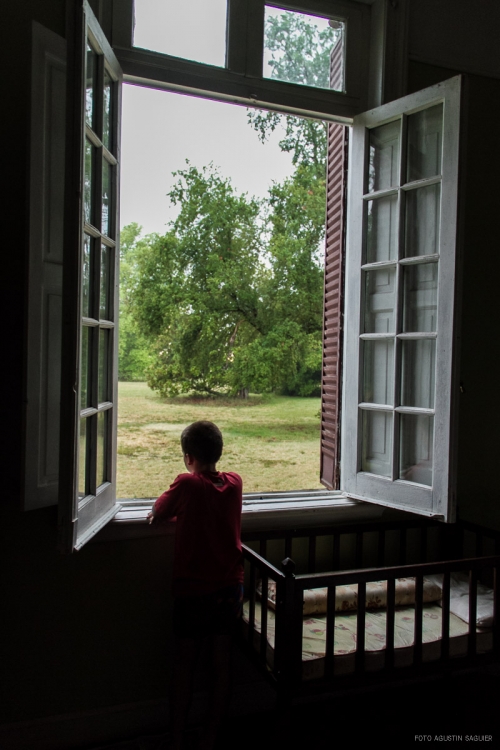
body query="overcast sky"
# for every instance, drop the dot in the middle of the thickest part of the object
(160, 130)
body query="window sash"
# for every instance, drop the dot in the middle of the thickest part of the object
(438, 499)
(89, 382)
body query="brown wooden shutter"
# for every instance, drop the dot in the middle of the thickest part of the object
(334, 289)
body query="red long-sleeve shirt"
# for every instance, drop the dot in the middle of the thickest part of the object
(207, 553)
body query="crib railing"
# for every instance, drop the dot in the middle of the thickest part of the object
(286, 668)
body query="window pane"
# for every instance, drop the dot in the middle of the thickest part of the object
(85, 362)
(425, 132)
(381, 229)
(103, 389)
(379, 300)
(106, 197)
(304, 49)
(420, 298)
(86, 276)
(108, 112)
(416, 441)
(422, 221)
(102, 420)
(88, 186)
(104, 306)
(90, 84)
(82, 459)
(383, 167)
(377, 443)
(378, 365)
(193, 29)
(418, 373)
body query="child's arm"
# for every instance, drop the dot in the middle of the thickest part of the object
(166, 507)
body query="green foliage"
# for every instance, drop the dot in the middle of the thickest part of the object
(230, 299)
(300, 53)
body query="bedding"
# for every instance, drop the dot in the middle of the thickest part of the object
(345, 642)
(346, 597)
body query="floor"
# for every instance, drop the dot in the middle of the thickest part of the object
(462, 709)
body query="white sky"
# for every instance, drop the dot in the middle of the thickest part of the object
(160, 130)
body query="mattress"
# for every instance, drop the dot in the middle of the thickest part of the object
(345, 638)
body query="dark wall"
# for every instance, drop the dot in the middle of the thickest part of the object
(479, 407)
(93, 629)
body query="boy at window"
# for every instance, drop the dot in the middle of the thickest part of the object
(208, 571)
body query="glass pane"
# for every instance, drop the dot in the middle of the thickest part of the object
(106, 197)
(425, 134)
(107, 113)
(383, 167)
(304, 49)
(88, 187)
(104, 307)
(104, 339)
(416, 445)
(422, 221)
(85, 362)
(378, 365)
(102, 419)
(381, 229)
(420, 298)
(82, 459)
(86, 276)
(380, 300)
(89, 88)
(418, 373)
(193, 29)
(376, 454)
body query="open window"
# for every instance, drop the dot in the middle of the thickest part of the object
(396, 407)
(90, 285)
(400, 334)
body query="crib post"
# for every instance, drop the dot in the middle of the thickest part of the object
(288, 644)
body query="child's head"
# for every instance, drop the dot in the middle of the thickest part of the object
(202, 441)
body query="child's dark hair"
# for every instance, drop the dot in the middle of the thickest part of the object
(203, 441)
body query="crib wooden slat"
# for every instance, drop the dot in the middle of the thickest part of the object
(311, 563)
(263, 618)
(419, 595)
(391, 612)
(472, 612)
(360, 628)
(445, 604)
(330, 632)
(251, 614)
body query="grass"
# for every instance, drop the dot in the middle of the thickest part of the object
(272, 441)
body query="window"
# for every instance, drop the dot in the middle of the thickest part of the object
(397, 282)
(399, 334)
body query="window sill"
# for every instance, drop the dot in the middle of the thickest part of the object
(261, 511)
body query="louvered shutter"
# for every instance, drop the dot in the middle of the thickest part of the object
(333, 294)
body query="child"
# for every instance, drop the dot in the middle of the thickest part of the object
(208, 571)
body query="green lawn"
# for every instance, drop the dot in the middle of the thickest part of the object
(272, 441)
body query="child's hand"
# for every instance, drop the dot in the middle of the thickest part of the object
(151, 517)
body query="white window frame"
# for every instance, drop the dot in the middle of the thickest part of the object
(438, 500)
(241, 82)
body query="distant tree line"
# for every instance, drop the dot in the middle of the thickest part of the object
(229, 299)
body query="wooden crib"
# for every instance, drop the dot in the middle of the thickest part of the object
(357, 555)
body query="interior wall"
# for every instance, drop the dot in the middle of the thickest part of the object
(478, 406)
(92, 629)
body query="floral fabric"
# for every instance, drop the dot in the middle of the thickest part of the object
(345, 638)
(346, 597)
